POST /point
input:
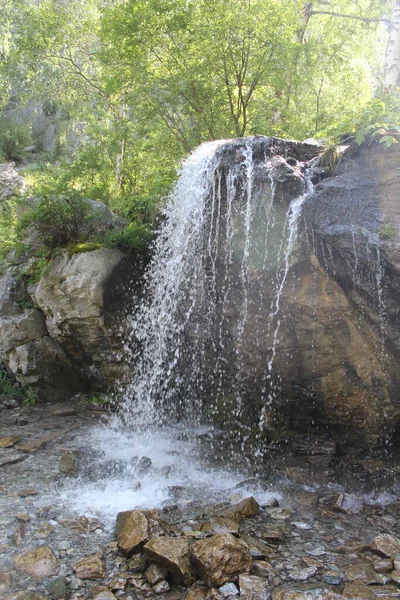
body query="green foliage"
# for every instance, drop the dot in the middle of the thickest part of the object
(13, 138)
(83, 247)
(9, 386)
(378, 121)
(133, 237)
(59, 221)
(387, 231)
(30, 397)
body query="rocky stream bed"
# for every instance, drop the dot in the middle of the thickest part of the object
(306, 525)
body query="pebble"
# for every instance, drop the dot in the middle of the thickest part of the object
(229, 589)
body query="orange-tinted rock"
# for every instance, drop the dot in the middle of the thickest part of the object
(220, 558)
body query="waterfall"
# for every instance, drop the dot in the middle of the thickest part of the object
(221, 258)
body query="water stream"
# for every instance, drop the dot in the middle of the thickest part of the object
(225, 233)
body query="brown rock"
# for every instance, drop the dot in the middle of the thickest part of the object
(132, 531)
(155, 573)
(90, 567)
(39, 562)
(386, 545)
(254, 588)
(5, 582)
(245, 509)
(395, 577)
(218, 525)
(261, 568)
(306, 591)
(35, 445)
(383, 566)
(220, 558)
(196, 594)
(106, 595)
(161, 587)
(44, 530)
(358, 591)
(10, 441)
(365, 573)
(173, 554)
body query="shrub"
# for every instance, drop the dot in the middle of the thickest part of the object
(13, 138)
(134, 237)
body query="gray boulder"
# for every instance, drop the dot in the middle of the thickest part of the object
(11, 183)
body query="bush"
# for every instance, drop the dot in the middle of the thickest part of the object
(13, 138)
(134, 237)
(59, 221)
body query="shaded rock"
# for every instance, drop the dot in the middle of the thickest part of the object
(21, 329)
(90, 567)
(174, 555)
(106, 595)
(161, 587)
(44, 366)
(302, 573)
(196, 594)
(39, 562)
(155, 573)
(5, 582)
(254, 588)
(220, 558)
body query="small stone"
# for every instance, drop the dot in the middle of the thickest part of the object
(138, 563)
(305, 592)
(28, 492)
(3, 548)
(104, 596)
(68, 463)
(395, 577)
(245, 509)
(365, 573)
(301, 525)
(19, 535)
(173, 554)
(90, 567)
(279, 513)
(261, 568)
(332, 578)
(196, 593)
(10, 441)
(386, 545)
(349, 504)
(221, 558)
(227, 590)
(383, 566)
(358, 591)
(302, 574)
(254, 588)
(319, 551)
(39, 562)
(273, 534)
(118, 583)
(44, 530)
(23, 516)
(65, 411)
(155, 573)
(143, 467)
(218, 525)
(58, 588)
(161, 587)
(5, 582)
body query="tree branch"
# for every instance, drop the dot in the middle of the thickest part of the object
(335, 14)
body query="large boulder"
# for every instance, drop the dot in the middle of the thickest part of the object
(72, 296)
(11, 183)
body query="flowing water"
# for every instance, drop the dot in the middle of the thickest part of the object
(219, 268)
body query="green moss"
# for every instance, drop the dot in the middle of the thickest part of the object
(387, 231)
(83, 247)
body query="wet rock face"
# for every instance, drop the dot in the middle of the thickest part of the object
(308, 338)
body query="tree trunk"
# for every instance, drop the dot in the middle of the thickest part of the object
(392, 58)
